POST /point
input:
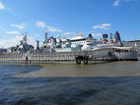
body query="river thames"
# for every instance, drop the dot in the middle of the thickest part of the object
(98, 83)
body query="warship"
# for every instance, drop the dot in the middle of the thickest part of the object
(70, 49)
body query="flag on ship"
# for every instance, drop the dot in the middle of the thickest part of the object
(21, 58)
(135, 43)
(49, 41)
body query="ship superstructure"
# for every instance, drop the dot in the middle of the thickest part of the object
(23, 47)
(77, 43)
(79, 39)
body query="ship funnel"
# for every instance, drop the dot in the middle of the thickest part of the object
(90, 36)
(52, 43)
(37, 44)
(58, 36)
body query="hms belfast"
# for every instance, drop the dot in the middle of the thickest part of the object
(53, 49)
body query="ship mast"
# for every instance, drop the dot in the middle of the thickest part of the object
(25, 37)
(76, 34)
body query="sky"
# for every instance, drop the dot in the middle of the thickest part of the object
(64, 17)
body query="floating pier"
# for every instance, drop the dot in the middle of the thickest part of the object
(77, 56)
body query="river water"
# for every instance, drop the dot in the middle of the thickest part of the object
(98, 83)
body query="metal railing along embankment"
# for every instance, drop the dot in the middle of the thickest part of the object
(42, 56)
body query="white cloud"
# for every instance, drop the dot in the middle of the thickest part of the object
(1, 6)
(31, 40)
(8, 8)
(21, 26)
(37, 35)
(67, 33)
(96, 35)
(42, 24)
(15, 41)
(116, 3)
(12, 32)
(3, 29)
(53, 29)
(102, 26)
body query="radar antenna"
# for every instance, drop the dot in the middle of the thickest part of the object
(76, 34)
(24, 35)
